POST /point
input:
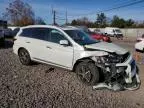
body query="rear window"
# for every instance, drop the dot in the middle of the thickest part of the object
(40, 33)
(36, 33)
(26, 32)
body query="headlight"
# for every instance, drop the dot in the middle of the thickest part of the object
(111, 58)
(114, 58)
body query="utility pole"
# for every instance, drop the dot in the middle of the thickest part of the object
(54, 17)
(66, 18)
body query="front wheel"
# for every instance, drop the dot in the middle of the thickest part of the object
(87, 72)
(24, 57)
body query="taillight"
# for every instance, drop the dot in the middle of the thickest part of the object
(139, 40)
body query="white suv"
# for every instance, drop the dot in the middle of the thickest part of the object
(95, 63)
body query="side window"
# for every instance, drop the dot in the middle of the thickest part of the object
(27, 32)
(56, 36)
(40, 33)
(36, 33)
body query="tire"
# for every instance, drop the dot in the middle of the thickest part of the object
(24, 57)
(87, 72)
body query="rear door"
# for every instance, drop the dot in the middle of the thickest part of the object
(34, 39)
(38, 43)
(24, 40)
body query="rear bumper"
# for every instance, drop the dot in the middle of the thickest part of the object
(107, 40)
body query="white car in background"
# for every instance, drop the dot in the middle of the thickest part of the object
(95, 63)
(139, 46)
(114, 32)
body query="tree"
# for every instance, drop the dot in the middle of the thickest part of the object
(81, 22)
(20, 13)
(122, 23)
(130, 23)
(74, 22)
(101, 20)
(39, 21)
(118, 22)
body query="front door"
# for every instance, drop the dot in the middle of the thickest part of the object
(59, 54)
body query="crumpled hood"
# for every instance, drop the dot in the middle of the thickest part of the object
(108, 47)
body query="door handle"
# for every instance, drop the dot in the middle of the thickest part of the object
(48, 47)
(27, 42)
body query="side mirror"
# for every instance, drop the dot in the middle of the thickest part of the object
(64, 42)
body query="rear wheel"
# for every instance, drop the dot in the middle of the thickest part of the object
(24, 57)
(87, 72)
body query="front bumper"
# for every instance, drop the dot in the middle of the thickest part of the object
(124, 76)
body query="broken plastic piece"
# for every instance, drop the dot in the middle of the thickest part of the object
(115, 87)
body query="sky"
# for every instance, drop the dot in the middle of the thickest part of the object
(80, 8)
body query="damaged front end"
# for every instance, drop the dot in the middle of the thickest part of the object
(119, 72)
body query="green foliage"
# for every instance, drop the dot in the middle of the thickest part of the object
(101, 20)
(83, 22)
(130, 23)
(121, 23)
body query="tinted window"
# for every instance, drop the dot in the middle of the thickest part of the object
(117, 31)
(37, 33)
(40, 33)
(26, 32)
(56, 36)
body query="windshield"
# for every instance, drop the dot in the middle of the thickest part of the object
(85, 29)
(81, 37)
(117, 30)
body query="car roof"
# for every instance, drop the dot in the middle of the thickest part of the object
(51, 26)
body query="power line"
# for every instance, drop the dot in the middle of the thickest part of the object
(114, 8)
(122, 5)
(126, 5)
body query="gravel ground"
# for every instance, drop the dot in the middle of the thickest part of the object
(36, 87)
